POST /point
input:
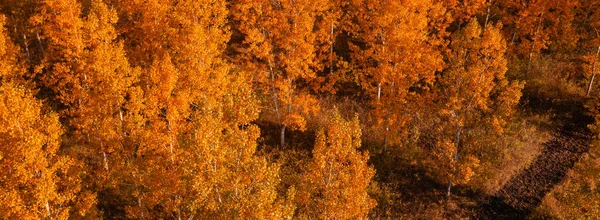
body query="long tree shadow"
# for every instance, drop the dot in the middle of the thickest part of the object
(525, 191)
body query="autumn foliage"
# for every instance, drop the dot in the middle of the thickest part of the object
(273, 109)
(338, 175)
(37, 181)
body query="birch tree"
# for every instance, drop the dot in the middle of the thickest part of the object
(279, 48)
(337, 178)
(473, 92)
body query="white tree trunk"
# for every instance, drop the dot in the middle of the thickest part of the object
(593, 72)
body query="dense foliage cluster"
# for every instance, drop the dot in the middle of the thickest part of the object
(276, 109)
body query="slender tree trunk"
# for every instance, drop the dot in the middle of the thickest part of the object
(276, 103)
(282, 136)
(40, 43)
(141, 208)
(535, 38)
(122, 123)
(171, 141)
(48, 209)
(449, 189)
(455, 154)
(387, 131)
(331, 50)
(378, 92)
(27, 46)
(514, 36)
(593, 72)
(289, 110)
(105, 161)
(455, 157)
(487, 18)
(218, 194)
(387, 118)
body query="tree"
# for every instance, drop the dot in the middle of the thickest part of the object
(89, 75)
(62, 30)
(535, 25)
(21, 31)
(394, 60)
(229, 180)
(37, 182)
(279, 47)
(473, 92)
(337, 178)
(332, 65)
(193, 147)
(31, 180)
(590, 69)
(591, 39)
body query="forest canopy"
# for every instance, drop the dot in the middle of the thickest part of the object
(299, 109)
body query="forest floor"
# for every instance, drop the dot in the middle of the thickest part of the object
(525, 190)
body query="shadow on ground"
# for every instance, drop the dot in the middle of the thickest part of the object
(525, 191)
